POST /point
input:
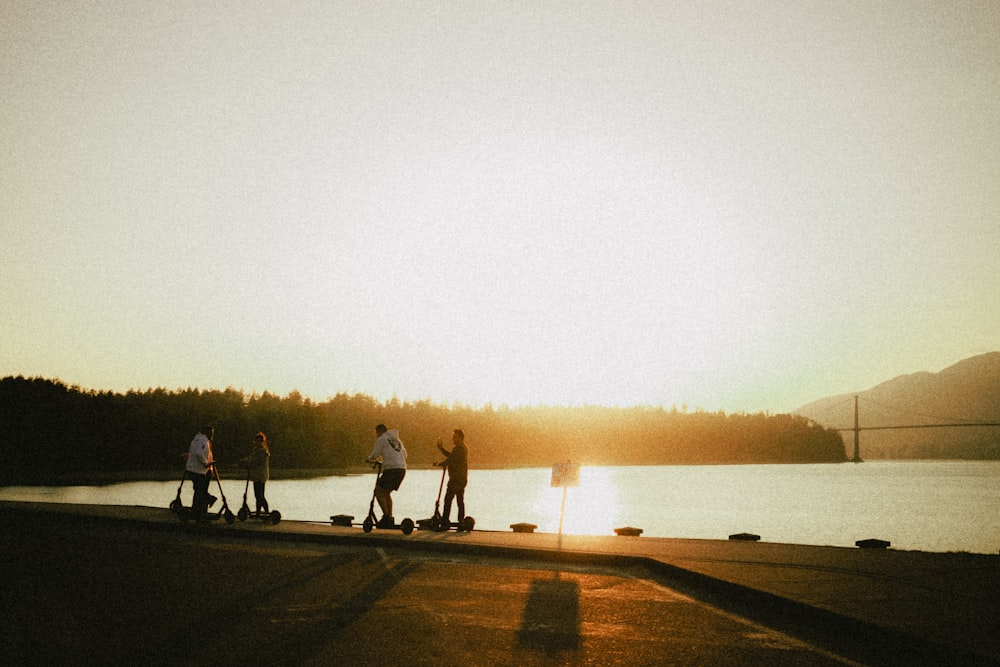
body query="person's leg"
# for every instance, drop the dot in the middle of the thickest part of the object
(460, 501)
(449, 496)
(194, 487)
(258, 494)
(388, 506)
(384, 500)
(199, 506)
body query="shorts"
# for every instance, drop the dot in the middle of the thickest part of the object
(391, 479)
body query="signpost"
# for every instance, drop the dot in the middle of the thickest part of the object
(564, 475)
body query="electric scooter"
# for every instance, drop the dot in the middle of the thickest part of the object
(273, 516)
(438, 522)
(371, 521)
(176, 505)
(185, 514)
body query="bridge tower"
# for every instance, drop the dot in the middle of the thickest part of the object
(857, 433)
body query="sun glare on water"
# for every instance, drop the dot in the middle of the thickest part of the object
(592, 508)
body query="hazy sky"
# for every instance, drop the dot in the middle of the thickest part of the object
(728, 205)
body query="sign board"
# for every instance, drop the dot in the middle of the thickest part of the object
(566, 474)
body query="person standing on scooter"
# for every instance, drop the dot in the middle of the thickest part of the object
(457, 462)
(389, 448)
(199, 463)
(258, 465)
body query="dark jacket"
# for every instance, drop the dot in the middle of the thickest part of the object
(457, 462)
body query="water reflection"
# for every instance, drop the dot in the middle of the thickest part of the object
(932, 506)
(592, 508)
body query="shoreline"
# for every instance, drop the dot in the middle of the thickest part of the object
(100, 478)
(104, 478)
(96, 478)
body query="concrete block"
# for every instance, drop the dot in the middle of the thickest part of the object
(745, 537)
(341, 520)
(872, 544)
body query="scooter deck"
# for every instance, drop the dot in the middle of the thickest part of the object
(437, 524)
(186, 514)
(369, 524)
(273, 517)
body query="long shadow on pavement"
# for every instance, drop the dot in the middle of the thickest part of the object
(551, 620)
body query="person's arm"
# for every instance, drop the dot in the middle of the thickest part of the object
(447, 455)
(203, 452)
(443, 450)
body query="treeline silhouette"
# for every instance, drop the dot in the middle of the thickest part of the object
(51, 430)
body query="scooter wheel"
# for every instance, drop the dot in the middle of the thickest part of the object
(435, 524)
(275, 517)
(230, 518)
(243, 514)
(176, 506)
(468, 523)
(407, 526)
(368, 525)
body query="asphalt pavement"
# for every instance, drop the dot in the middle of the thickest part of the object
(110, 585)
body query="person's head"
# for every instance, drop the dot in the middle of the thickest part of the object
(458, 436)
(260, 439)
(208, 431)
(380, 429)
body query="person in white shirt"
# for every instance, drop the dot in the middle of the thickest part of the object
(390, 450)
(199, 465)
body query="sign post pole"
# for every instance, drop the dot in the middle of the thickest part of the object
(562, 513)
(564, 475)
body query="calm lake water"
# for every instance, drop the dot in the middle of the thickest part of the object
(925, 505)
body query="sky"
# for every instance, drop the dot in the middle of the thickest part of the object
(728, 206)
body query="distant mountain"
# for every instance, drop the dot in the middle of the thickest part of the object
(968, 391)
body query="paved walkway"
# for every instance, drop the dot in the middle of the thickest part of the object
(876, 606)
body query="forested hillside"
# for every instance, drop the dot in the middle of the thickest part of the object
(51, 429)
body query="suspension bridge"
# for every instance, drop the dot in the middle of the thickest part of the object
(857, 428)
